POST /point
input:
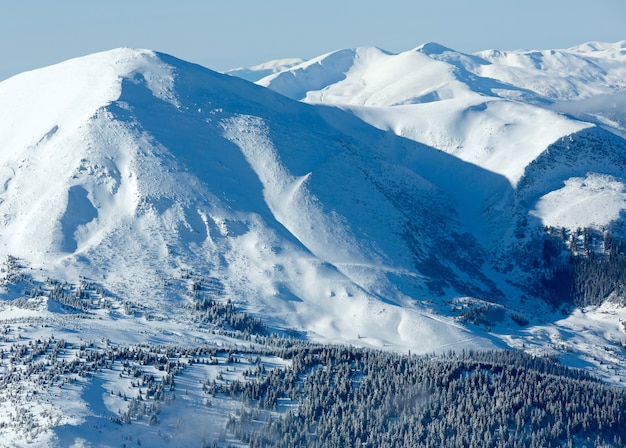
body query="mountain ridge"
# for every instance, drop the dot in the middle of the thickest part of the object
(502, 127)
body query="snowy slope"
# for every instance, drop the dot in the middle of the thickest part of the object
(148, 167)
(576, 73)
(586, 81)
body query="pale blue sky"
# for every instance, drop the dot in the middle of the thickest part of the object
(232, 33)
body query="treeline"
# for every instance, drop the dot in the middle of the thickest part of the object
(206, 301)
(355, 398)
(583, 267)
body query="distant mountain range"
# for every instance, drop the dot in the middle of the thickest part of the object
(425, 201)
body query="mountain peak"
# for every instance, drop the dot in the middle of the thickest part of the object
(596, 46)
(433, 48)
(68, 93)
(259, 71)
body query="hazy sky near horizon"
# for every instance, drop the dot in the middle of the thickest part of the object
(241, 33)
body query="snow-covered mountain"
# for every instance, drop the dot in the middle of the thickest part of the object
(147, 166)
(496, 109)
(368, 198)
(586, 81)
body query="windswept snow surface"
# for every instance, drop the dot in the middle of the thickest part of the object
(592, 201)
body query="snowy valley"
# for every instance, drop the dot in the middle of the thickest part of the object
(182, 246)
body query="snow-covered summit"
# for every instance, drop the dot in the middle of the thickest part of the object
(433, 48)
(369, 76)
(614, 48)
(67, 94)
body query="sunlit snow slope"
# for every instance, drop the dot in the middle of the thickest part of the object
(129, 167)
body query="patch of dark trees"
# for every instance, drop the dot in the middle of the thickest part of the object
(582, 267)
(363, 398)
